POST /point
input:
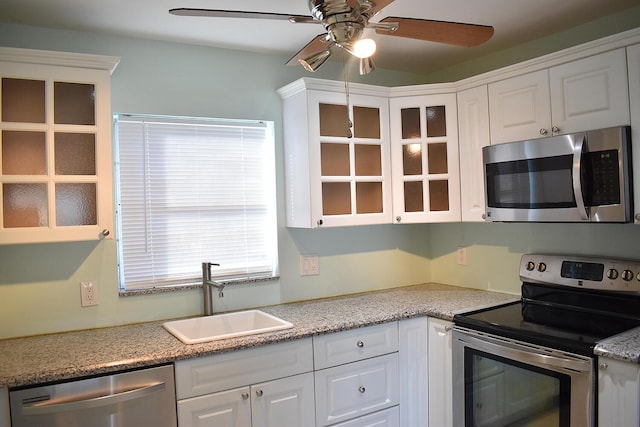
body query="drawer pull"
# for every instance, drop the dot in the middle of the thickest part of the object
(245, 396)
(360, 344)
(259, 392)
(361, 389)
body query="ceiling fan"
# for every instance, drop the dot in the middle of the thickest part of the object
(344, 22)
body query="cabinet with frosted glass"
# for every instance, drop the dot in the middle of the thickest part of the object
(336, 148)
(424, 156)
(55, 139)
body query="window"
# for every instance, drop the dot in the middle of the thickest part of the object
(190, 191)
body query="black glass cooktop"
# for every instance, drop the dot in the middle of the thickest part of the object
(553, 317)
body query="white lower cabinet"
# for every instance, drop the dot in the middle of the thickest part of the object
(259, 387)
(440, 373)
(618, 393)
(370, 376)
(356, 375)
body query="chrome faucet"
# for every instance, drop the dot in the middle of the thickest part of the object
(207, 284)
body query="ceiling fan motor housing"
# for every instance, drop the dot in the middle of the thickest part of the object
(343, 23)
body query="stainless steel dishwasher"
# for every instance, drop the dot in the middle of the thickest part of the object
(143, 398)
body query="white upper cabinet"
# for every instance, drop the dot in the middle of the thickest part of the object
(633, 58)
(56, 168)
(588, 93)
(336, 147)
(520, 107)
(473, 134)
(424, 156)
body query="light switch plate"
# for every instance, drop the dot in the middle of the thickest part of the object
(309, 265)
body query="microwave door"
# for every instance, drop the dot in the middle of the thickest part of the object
(536, 180)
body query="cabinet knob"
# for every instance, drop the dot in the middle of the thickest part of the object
(259, 392)
(543, 131)
(104, 233)
(603, 365)
(361, 389)
(360, 344)
(638, 217)
(398, 218)
(319, 222)
(555, 129)
(245, 396)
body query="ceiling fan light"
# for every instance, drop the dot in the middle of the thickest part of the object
(366, 66)
(364, 48)
(313, 62)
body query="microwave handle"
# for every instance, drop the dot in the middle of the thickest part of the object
(577, 183)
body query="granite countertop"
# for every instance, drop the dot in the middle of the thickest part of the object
(72, 355)
(624, 346)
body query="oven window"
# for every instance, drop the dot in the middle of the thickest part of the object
(501, 392)
(541, 183)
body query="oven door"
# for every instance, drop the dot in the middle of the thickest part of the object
(503, 382)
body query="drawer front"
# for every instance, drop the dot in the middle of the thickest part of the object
(230, 408)
(225, 371)
(355, 344)
(385, 418)
(352, 390)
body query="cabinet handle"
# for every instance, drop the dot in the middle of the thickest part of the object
(543, 131)
(319, 222)
(245, 396)
(360, 344)
(555, 129)
(398, 218)
(104, 233)
(361, 389)
(259, 392)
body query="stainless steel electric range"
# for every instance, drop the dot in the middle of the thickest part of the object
(531, 363)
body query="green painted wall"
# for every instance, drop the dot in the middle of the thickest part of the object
(39, 291)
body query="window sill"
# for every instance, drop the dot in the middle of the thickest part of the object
(191, 286)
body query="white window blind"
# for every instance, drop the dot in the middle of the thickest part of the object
(194, 190)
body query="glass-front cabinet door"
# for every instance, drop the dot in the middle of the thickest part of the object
(55, 139)
(424, 155)
(337, 159)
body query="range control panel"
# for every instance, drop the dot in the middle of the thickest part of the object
(581, 272)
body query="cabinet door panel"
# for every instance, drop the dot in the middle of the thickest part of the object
(386, 418)
(413, 360)
(520, 107)
(633, 58)
(424, 156)
(440, 373)
(473, 120)
(590, 93)
(225, 409)
(284, 402)
(56, 140)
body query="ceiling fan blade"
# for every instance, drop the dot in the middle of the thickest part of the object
(378, 5)
(216, 13)
(318, 44)
(454, 33)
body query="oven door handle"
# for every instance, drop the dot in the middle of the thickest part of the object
(578, 146)
(509, 350)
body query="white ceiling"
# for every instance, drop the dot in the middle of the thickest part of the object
(515, 22)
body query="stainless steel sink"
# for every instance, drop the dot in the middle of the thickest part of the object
(223, 326)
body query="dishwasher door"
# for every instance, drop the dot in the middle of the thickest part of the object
(144, 398)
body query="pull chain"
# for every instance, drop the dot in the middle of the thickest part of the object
(346, 91)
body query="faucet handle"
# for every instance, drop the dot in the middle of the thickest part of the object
(206, 268)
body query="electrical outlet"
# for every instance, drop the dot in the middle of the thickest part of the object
(462, 255)
(309, 265)
(88, 293)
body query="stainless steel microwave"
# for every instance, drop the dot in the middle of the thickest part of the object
(579, 177)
